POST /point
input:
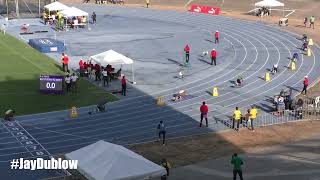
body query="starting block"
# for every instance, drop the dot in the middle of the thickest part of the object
(215, 92)
(74, 113)
(267, 77)
(309, 52)
(160, 101)
(310, 42)
(293, 66)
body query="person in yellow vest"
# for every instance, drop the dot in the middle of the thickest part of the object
(253, 116)
(236, 117)
(167, 166)
(147, 2)
(312, 19)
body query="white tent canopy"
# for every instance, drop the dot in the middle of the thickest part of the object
(269, 3)
(113, 58)
(106, 161)
(56, 6)
(73, 11)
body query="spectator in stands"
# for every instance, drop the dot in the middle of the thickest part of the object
(74, 79)
(162, 132)
(204, 113)
(237, 162)
(123, 86)
(216, 37)
(236, 117)
(187, 52)
(305, 85)
(214, 57)
(67, 79)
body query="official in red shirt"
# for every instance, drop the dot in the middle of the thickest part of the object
(81, 67)
(65, 62)
(124, 86)
(305, 85)
(187, 51)
(204, 113)
(98, 71)
(216, 37)
(214, 57)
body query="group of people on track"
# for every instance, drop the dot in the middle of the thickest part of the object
(213, 53)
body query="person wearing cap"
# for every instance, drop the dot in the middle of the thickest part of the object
(305, 85)
(213, 57)
(187, 52)
(216, 36)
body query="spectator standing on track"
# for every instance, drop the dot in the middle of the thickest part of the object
(312, 20)
(67, 79)
(236, 117)
(214, 57)
(305, 21)
(74, 79)
(147, 2)
(123, 86)
(253, 116)
(237, 162)
(162, 132)
(204, 113)
(305, 85)
(105, 77)
(94, 17)
(187, 52)
(216, 37)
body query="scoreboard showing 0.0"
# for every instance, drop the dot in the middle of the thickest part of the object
(51, 84)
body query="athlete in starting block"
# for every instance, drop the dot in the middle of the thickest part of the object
(179, 95)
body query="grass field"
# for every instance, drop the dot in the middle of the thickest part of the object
(20, 68)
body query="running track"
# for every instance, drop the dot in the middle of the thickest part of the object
(255, 48)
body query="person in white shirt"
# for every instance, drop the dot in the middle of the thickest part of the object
(105, 77)
(68, 82)
(74, 79)
(275, 69)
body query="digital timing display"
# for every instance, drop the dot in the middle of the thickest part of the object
(51, 84)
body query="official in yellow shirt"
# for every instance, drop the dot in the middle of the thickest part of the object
(236, 117)
(253, 116)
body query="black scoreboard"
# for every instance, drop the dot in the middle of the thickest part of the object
(51, 84)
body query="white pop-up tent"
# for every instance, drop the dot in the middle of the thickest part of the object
(55, 6)
(113, 58)
(269, 3)
(73, 12)
(106, 161)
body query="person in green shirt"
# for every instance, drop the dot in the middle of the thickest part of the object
(237, 162)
